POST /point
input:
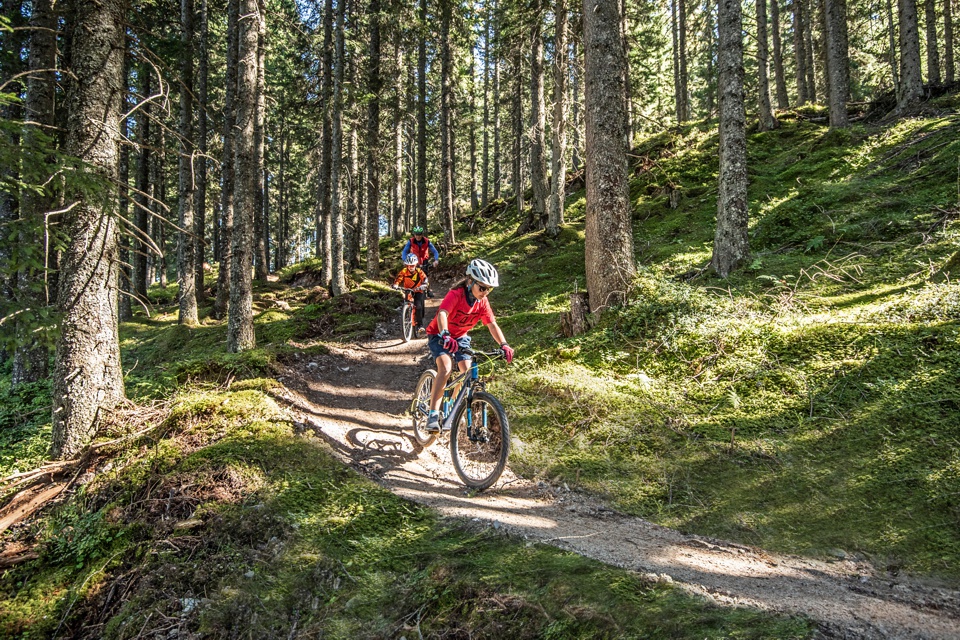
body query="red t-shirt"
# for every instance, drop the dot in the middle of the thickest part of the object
(461, 317)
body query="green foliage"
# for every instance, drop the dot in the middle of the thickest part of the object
(78, 536)
(24, 425)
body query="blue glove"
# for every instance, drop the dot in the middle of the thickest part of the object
(507, 352)
(448, 342)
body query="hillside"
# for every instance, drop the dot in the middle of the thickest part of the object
(807, 405)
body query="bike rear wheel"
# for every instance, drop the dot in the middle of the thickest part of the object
(420, 407)
(480, 441)
(406, 319)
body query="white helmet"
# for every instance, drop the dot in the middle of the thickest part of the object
(483, 272)
(411, 260)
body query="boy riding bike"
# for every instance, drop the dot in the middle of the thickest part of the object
(461, 309)
(413, 277)
(420, 246)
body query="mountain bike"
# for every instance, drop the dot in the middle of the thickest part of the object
(408, 326)
(478, 426)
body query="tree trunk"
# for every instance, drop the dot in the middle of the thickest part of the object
(627, 92)
(674, 34)
(933, 52)
(283, 230)
(911, 84)
(261, 219)
(709, 33)
(575, 160)
(800, 52)
(30, 361)
(809, 49)
(538, 170)
(730, 246)
(558, 168)
(186, 256)
(324, 239)
(517, 167)
(240, 335)
(200, 214)
(779, 77)
(88, 379)
(158, 222)
(948, 41)
(609, 234)
(497, 170)
(485, 180)
(338, 282)
(124, 310)
(446, 123)
(767, 121)
(472, 132)
(422, 119)
(836, 63)
(682, 54)
(373, 144)
(227, 164)
(396, 196)
(355, 233)
(141, 248)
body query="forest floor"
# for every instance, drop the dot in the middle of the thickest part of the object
(356, 398)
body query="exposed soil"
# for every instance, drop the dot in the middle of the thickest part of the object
(357, 396)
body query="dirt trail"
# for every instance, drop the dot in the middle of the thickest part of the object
(356, 399)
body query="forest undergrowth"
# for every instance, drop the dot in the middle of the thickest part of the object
(807, 404)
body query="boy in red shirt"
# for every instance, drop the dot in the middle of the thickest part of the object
(462, 308)
(413, 277)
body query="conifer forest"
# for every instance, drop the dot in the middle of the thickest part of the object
(727, 235)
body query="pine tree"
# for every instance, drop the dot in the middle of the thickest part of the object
(240, 335)
(609, 235)
(88, 379)
(730, 246)
(186, 253)
(911, 85)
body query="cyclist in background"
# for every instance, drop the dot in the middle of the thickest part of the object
(461, 309)
(413, 277)
(420, 246)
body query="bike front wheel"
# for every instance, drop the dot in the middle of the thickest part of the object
(421, 407)
(480, 441)
(406, 319)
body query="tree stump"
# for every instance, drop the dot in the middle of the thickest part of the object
(574, 322)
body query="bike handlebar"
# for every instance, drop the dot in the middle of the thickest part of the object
(496, 353)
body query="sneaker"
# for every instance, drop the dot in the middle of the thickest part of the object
(433, 423)
(429, 293)
(421, 332)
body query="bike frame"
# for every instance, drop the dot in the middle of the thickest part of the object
(449, 406)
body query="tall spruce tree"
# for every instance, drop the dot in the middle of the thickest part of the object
(730, 244)
(88, 379)
(609, 236)
(240, 335)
